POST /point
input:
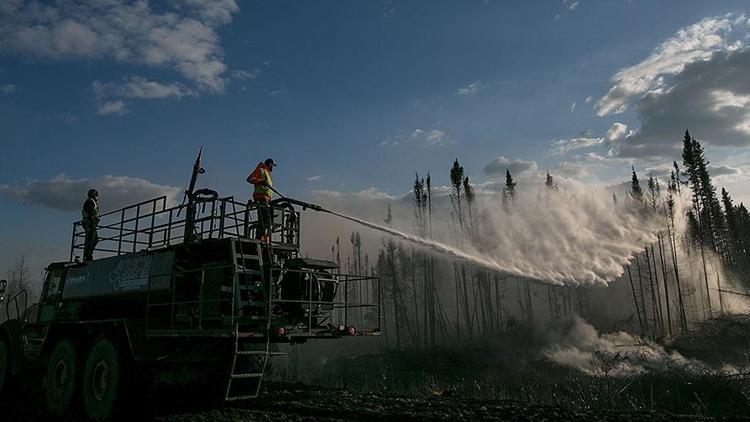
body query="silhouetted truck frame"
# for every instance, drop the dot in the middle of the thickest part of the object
(183, 296)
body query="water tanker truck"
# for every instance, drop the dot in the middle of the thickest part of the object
(180, 296)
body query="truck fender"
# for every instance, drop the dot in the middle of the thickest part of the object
(85, 334)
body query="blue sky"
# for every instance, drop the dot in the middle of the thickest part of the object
(349, 96)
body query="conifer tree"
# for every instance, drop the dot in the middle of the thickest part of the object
(550, 182)
(457, 178)
(509, 191)
(469, 197)
(636, 192)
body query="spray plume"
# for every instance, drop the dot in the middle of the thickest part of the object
(575, 236)
(436, 246)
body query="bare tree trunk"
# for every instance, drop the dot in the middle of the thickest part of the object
(680, 300)
(529, 305)
(705, 277)
(457, 281)
(433, 298)
(718, 286)
(467, 312)
(666, 286)
(643, 297)
(415, 300)
(658, 290)
(635, 300)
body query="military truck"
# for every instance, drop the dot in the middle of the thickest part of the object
(179, 296)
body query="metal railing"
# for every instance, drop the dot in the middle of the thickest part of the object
(316, 314)
(345, 311)
(20, 310)
(197, 303)
(152, 224)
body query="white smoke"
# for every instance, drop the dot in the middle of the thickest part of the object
(622, 354)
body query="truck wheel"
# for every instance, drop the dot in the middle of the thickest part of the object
(4, 365)
(60, 381)
(101, 380)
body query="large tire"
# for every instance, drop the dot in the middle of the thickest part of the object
(4, 365)
(101, 380)
(61, 380)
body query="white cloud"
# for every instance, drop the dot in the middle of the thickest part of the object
(368, 194)
(216, 12)
(116, 107)
(180, 36)
(589, 99)
(136, 87)
(571, 170)
(563, 146)
(434, 137)
(7, 89)
(711, 98)
(425, 137)
(719, 171)
(111, 96)
(573, 107)
(570, 4)
(728, 99)
(65, 193)
(313, 178)
(593, 157)
(616, 132)
(497, 167)
(691, 44)
(470, 90)
(245, 74)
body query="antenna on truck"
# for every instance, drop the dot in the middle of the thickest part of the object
(190, 198)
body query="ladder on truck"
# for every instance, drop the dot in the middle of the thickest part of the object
(250, 359)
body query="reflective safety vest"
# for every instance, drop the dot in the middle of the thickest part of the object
(90, 211)
(260, 177)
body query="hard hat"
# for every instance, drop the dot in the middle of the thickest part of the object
(93, 193)
(270, 162)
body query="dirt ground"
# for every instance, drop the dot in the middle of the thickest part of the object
(283, 402)
(287, 402)
(470, 384)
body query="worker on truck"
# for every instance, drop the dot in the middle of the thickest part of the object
(261, 179)
(90, 220)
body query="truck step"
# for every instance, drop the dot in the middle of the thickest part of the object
(249, 271)
(241, 287)
(245, 397)
(260, 352)
(248, 375)
(252, 352)
(247, 318)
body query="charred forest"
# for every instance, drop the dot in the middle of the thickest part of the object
(670, 321)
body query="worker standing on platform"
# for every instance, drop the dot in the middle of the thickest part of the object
(90, 221)
(261, 179)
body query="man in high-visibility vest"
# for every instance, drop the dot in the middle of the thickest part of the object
(90, 220)
(261, 179)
